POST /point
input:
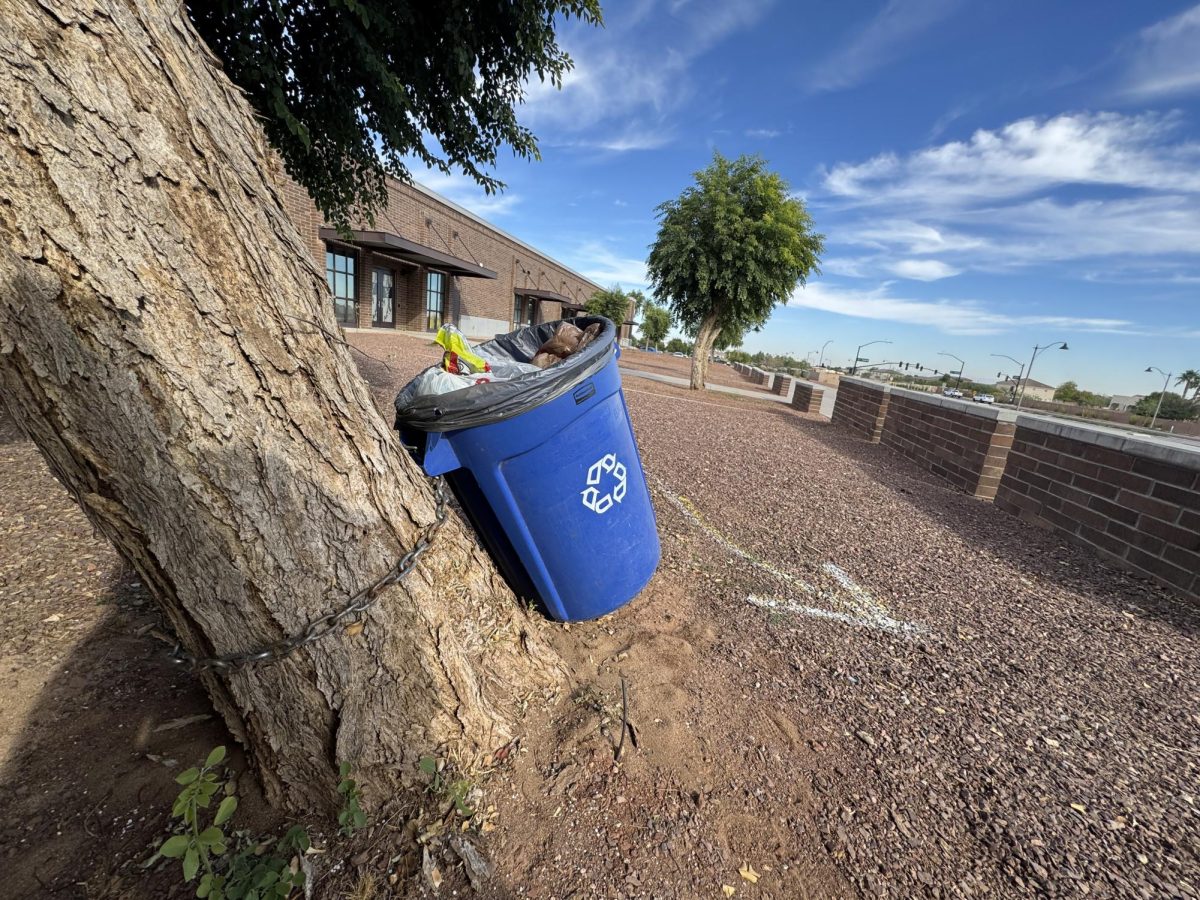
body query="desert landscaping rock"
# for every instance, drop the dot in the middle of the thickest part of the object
(1037, 736)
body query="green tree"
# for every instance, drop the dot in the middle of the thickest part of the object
(656, 322)
(678, 345)
(1067, 392)
(612, 303)
(1190, 381)
(1174, 406)
(730, 248)
(348, 91)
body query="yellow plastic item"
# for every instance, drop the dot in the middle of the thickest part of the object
(453, 341)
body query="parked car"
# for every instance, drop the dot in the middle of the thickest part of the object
(677, 353)
(952, 392)
(984, 398)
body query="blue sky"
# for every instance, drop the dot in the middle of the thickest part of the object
(988, 176)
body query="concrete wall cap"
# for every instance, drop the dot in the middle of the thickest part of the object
(970, 407)
(868, 383)
(1174, 451)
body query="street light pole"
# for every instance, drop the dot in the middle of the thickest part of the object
(1061, 345)
(961, 365)
(823, 346)
(1020, 375)
(858, 358)
(1162, 393)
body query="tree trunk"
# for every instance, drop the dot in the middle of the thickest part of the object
(706, 335)
(156, 343)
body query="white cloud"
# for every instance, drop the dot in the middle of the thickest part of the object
(884, 39)
(910, 236)
(847, 266)
(628, 81)
(953, 316)
(1027, 156)
(923, 269)
(1165, 59)
(603, 265)
(1010, 198)
(762, 133)
(462, 190)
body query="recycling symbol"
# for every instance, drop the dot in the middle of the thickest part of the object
(604, 473)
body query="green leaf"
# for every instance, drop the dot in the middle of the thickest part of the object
(205, 886)
(344, 769)
(225, 810)
(188, 776)
(174, 846)
(191, 864)
(360, 818)
(428, 765)
(210, 835)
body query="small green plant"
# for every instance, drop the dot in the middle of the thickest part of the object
(251, 872)
(456, 791)
(351, 817)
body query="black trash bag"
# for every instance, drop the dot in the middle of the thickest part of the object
(484, 404)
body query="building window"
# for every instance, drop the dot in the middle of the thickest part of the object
(339, 271)
(524, 311)
(435, 300)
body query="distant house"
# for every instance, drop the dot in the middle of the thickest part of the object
(1034, 390)
(1125, 402)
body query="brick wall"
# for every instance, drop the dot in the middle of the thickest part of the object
(961, 442)
(782, 384)
(422, 216)
(1134, 500)
(806, 398)
(861, 406)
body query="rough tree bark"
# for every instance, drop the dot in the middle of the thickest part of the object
(706, 335)
(153, 343)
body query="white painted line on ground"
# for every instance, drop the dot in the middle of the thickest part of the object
(853, 604)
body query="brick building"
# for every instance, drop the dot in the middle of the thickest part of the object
(427, 261)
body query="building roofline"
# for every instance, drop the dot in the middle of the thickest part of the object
(429, 192)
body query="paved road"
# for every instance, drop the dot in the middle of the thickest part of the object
(828, 395)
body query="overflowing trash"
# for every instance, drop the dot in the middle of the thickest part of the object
(477, 384)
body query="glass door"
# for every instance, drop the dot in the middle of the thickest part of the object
(383, 298)
(435, 300)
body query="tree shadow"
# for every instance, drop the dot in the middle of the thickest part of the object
(89, 780)
(1045, 555)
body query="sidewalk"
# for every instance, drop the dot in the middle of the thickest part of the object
(828, 396)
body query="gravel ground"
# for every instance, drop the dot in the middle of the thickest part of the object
(1030, 726)
(964, 706)
(1036, 733)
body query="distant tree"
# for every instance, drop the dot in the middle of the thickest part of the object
(639, 301)
(656, 322)
(1067, 392)
(1174, 406)
(678, 345)
(1190, 381)
(612, 303)
(349, 92)
(729, 249)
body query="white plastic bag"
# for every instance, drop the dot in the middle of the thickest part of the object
(438, 381)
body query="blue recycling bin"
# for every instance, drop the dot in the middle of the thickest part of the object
(557, 495)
